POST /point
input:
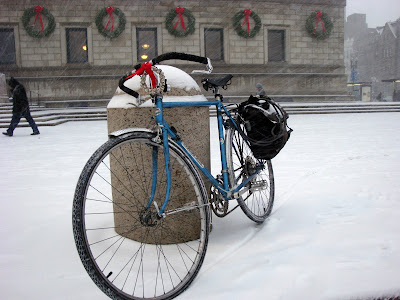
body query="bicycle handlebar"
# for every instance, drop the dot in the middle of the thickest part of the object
(146, 67)
(181, 56)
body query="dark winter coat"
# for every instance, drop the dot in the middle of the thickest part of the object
(20, 100)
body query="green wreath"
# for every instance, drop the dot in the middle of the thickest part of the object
(187, 28)
(238, 24)
(37, 12)
(108, 30)
(316, 20)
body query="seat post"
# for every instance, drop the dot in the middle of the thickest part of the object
(217, 95)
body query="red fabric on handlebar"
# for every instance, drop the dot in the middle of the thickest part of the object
(146, 67)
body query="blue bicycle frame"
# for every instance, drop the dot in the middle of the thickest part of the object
(167, 131)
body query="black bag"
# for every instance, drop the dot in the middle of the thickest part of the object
(266, 126)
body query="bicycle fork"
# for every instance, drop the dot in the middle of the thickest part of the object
(164, 138)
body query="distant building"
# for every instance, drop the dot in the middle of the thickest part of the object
(372, 56)
(77, 62)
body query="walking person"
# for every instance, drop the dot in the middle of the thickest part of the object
(20, 108)
(396, 95)
(260, 90)
(379, 97)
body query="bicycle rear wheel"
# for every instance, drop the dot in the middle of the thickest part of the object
(258, 199)
(127, 251)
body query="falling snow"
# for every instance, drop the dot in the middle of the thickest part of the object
(333, 234)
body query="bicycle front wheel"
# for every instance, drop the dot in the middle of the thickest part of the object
(128, 251)
(258, 197)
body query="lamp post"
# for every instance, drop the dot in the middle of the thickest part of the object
(353, 65)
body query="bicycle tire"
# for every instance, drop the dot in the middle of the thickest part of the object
(132, 259)
(258, 200)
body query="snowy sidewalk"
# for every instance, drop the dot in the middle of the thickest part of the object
(334, 232)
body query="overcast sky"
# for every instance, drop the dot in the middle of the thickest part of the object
(378, 11)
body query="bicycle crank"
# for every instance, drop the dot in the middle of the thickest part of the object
(217, 202)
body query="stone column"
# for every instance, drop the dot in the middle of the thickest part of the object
(3, 89)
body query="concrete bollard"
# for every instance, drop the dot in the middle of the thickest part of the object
(191, 122)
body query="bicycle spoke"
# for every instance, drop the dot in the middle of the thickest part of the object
(256, 202)
(134, 253)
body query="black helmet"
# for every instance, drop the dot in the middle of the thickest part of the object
(266, 126)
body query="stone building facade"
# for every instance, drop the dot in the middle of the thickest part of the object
(291, 64)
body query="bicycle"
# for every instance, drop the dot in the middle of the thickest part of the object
(133, 240)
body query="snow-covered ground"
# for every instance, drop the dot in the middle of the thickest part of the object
(334, 232)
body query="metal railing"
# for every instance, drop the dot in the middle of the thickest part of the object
(36, 95)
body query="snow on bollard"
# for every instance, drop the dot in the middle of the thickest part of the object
(192, 123)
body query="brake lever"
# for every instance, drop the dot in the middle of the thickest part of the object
(208, 71)
(200, 72)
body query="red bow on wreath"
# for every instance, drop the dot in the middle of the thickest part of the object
(145, 67)
(110, 11)
(247, 13)
(38, 11)
(180, 10)
(319, 18)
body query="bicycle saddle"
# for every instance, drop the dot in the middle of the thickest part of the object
(215, 82)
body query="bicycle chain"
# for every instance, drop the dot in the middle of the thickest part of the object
(218, 204)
